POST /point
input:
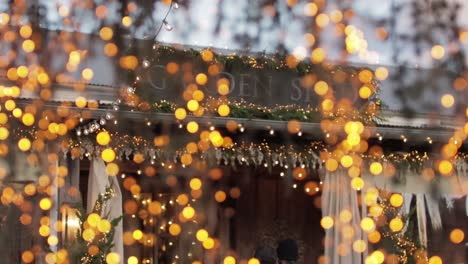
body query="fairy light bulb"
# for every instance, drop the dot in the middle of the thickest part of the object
(167, 26)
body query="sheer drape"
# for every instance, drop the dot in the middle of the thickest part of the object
(339, 201)
(97, 182)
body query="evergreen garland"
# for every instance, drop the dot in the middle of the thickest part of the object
(404, 244)
(93, 251)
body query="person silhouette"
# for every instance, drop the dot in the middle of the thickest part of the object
(287, 251)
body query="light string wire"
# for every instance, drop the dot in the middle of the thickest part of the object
(95, 125)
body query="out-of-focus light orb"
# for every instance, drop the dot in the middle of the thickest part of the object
(10, 105)
(24, 144)
(202, 235)
(198, 95)
(193, 105)
(445, 167)
(195, 184)
(374, 236)
(396, 224)
(327, 105)
(359, 246)
(223, 89)
(376, 168)
(103, 138)
(365, 92)
(175, 229)
(457, 236)
(345, 216)
(182, 199)
(331, 165)
(188, 212)
(27, 257)
(318, 55)
(357, 183)
(321, 88)
(354, 172)
(365, 76)
(137, 234)
(155, 208)
(104, 226)
(381, 73)
(28, 119)
(80, 102)
(367, 224)
(253, 261)
(201, 79)
(224, 110)
(106, 33)
(379, 256)
(87, 74)
(93, 219)
(52, 240)
(186, 159)
(28, 46)
(192, 127)
(209, 243)
(207, 55)
(353, 139)
(327, 222)
(113, 258)
(88, 234)
(229, 260)
(346, 161)
(108, 155)
(127, 21)
(220, 196)
(4, 133)
(435, 260)
(437, 52)
(112, 169)
(447, 100)
(396, 200)
(310, 9)
(375, 210)
(180, 113)
(45, 203)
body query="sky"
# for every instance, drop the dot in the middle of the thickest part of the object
(196, 25)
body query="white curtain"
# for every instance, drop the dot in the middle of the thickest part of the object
(97, 182)
(337, 197)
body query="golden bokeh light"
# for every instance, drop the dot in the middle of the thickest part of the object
(327, 222)
(435, 260)
(457, 236)
(437, 52)
(193, 105)
(202, 235)
(112, 258)
(24, 144)
(367, 224)
(45, 204)
(447, 100)
(224, 110)
(195, 184)
(376, 168)
(175, 229)
(396, 224)
(108, 155)
(357, 183)
(445, 167)
(188, 212)
(396, 200)
(103, 138)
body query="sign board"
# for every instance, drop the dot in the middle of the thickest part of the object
(259, 86)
